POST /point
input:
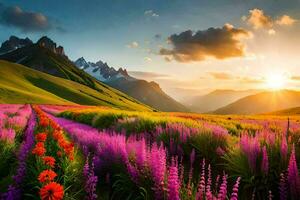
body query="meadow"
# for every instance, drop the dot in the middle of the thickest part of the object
(89, 152)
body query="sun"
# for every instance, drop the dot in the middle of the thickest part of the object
(275, 81)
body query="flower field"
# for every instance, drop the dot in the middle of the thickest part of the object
(85, 152)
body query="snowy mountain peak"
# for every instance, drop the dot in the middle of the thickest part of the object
(102, 71)
(81, 63)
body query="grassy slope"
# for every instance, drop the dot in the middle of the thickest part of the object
(20, 84)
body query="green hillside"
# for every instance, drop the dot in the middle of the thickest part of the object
(20, 84)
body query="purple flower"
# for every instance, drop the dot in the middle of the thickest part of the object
(25, 148)
(173, 182)
(91, 181)
(157, 159)
(251, 148)
(293, 176)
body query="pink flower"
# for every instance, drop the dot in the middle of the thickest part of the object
(173, 182)
(265, 161)
(293, 176)
(235, 190)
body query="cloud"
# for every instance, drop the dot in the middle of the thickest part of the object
(285, 20)
(150, 13)
(26, 21)
(220, 43)
(133, 44)
(147, 75)
(259, 20)
(221, 75)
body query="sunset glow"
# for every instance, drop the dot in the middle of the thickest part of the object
(276, 81)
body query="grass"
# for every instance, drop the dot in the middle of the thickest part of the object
(20, 84)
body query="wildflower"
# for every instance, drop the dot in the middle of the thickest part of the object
(7, 135)
(91, 183)
(265, 161)
(223, 189)
(49, 160)
(283, 148)
(39, 149)
(201, 184)
(270, 195)
(293, 176)
(47, 176)
(52, 191)
(173, 182)
(41, 137)
(235, 190)
(208, 186)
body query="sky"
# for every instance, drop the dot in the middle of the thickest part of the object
(189, 47)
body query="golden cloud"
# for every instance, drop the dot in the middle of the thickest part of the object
(258, 19)
(219, 43)
(285, 20)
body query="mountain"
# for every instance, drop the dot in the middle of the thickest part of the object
(216, 99)
(46, 56)
(101, 70)
(149, 93)
(262, 102)
(14, 43)
(20, 84)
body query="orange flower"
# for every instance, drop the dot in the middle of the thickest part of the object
(39, 149)
(47, 176)
(44, 122)
(52, 191)
(49, 160)
(41, 137)
(57, 134)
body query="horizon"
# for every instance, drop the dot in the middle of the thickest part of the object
(250, 47)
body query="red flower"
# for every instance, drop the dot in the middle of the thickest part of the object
(52, 191)
(47, 176)
(44, 122)
(39, 149)
(41, 137)
(49, 160)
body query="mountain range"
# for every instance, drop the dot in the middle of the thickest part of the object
(216, 99)
(262, 102)
(149, 93)
(46, 56)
